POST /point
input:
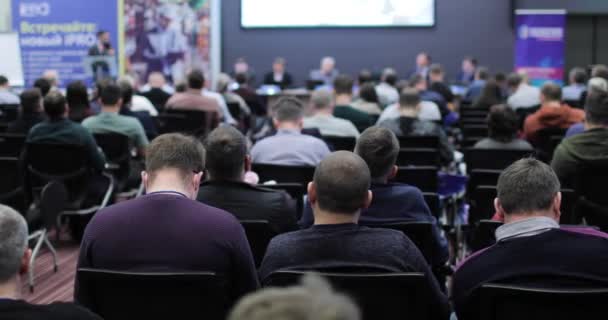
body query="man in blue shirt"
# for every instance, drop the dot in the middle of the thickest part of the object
(421, 84)
(577, 79)
(481, 76)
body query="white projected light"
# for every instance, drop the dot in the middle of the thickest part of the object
(337, 13)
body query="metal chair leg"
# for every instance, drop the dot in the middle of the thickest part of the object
(53, 252)
(30, 274)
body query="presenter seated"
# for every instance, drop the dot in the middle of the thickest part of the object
(326, 73)
(278, 76)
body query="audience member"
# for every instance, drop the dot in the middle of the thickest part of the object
(227, 161)
(322, 102)
(552, 113)
(30, 113)
(109, 121)
(392, 202)
(423, 62)
(327, 73)
(408, 124)
(143, 117)
(595, 85)
(491, 95)
(587, 148)
(77, 97)
(52, 76)
(157, 91)
(600, 71)
(368, 101)
(365, 76)
(167, 230)
(343, 88)
(438, 85)
(224, 111)
(6, 96)
(467, 70)
(387, 93)
(223, 82)
(501, 81)
(577, 85)
(420, 84)
(278, 76)
(43, 85)
(289, 146)
(476, 87)
(522, 94)
(532, 249)
(192, 99)
(58, 129)
(241, 66)
(14, 264)
(503, 124)
(339, 191)
(249, 95)
(313, 299)
(139, 103)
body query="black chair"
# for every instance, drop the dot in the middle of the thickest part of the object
(11, 145)
(117, 149)
(478, 177)
(497, 159)
(336, 143)
(295, 190)
(9, 112)
(259, 233)
(474, 130)
(11, 185)
(432, 200)
(423, 177)
(421, 234)
(284, 174)
(235, 110)
(484, 234)
(384, 296)
(503, 301)
(593, 203)
(482, 203)
(523, 113)
(116, 295)
(198, 123)
(546, 140)
(574, 103)
(418, 157)
(419, 142)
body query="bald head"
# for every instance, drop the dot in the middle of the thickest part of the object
(341, 183)
(156, 80)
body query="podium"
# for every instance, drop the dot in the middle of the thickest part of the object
(100, 67)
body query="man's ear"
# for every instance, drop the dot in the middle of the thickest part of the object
(275, 123)
(500, 211)
(25, 262)
(368, 200)
(556, 207)
(393, 173)
(247, 163)
(144, 179)
(312, 193)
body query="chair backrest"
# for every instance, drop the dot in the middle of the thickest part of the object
(421, 234)
(9, 112)
(482, 203)
(478, 177)
(295, 190)
(484, 234)
(432, 200)
(235, 109)
(116, 147)
(11, 145)
(385, 296)
(423, 177)
(497, 159)
(133, 295)
(475, 130)
(593, 205)
(418, 157)
(284, 174)
(340, 143)
(259, 233)
(193, 122)
(11, 184)
(503, 301)
(546, 140)
(419, 142)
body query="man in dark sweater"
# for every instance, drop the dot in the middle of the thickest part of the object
(167, 230)
(343, 88)
(392, 202)
(227, 161)
(14, 262)
(531, 248)
(340, 189)
(31, 112)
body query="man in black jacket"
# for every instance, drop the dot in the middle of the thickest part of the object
(227, 161)
(31, 112)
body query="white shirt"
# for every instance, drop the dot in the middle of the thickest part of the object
(387, 94)
(525, 96)
(429, 111)
(222, 103)
(7, 97)
(141, 103)
(329, 125)
(166, 88)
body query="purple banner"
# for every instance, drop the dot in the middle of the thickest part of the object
(539, 45)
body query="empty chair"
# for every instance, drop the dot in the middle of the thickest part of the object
(116, 295)
(259, 233)
(475, 130)
(421, 234)
(482, 203)
(418, 157)
(379, 295)
(478, 177)
(423, 177)
(11, 144)
(340, 143)
(546, 140)
(9, 112)
(432, 200)
(284, 174)
(11, 185)
(419, 142)
(497, 159)
(117, 149)
(197, 123)
(484, 234)
(593, 203)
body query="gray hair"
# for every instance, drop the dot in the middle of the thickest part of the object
(314, 299)
(597, 84)
(322, 99)
(13, 242)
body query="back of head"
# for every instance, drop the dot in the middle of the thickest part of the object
(389, 75)
(500, 77)
(600, 71)
(342, 182)
(52, 76)
(596, 84)
(13, 242)
(226, 149)
(379, 148)
(77, 94)
(30, 101)
(111, 95)
(514, 80)
(314, 299)
(596, 108)
(288, 109)
(196, 80)
(503, 123)
(527, 187)
(43, 85)
(367, 92)
(322, 99)
(3, 81)
(551, 92)
(436, 70)
(126, 90)
(482, 73)
(343, 84)
(365, 76)
(241, 78)
(54, 105)
(491, 93)
(417, 81)
(156, 80)
(578, 75)
(177, 152)
(409, 98)
(223, 81)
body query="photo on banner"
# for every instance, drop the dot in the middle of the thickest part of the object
(167, 36)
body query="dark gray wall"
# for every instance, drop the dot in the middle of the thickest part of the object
(463, 27)
(572, 6)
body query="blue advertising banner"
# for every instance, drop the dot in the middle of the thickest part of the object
(539, 45)
(58, 34)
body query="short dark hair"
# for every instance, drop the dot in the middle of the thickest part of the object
(3, 80)
(111, 95)
(365, 76)
(578, 75)
(416, 79)
(368, 93)
(596, 107)
(176, 151)
(241, 78)
(551, 91)
(435, 68)
(471, 59)
(500, 77)
(482, 73)
(600, 71)
(503, 123)
(379, 148)
(390, 76)
(44, 85)
(514, 80)
(196, 79)
(30, 100)
(343, 84)
(526, 186)
(77, 95)
(127, 91)
(409, 98)
(342, 182)
(288, 109)
(100, 33)
(226, 149)
(54, 105)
